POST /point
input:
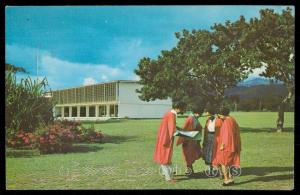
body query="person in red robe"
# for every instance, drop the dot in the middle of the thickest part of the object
(191, 149)
(164, 144)
(228, 146)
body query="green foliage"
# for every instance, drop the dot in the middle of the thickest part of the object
(192, 71)
(199, 68)
(205, 63)
(25, 107)
(271, 40)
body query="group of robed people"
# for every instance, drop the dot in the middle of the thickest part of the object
(221, 141)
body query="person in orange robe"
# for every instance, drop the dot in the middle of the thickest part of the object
(191, 149)
(228, 146)
(164, 144)
(212, 128)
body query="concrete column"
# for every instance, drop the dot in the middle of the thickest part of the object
(62, 111)
(97, 111)
(70, 111)
(87, 110)
(78, 111)
(107, 111)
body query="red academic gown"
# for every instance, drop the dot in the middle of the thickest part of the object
(229, 136)
(164, 144)
(191, 149)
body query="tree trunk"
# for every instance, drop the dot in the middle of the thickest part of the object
(280, 119)
(260, 107)
(281, 108)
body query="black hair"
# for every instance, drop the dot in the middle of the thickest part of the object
(224, 111)
(197, 109)
(211, 109)
(179, 105)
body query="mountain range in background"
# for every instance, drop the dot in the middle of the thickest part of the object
(257, 81)
(256, 88)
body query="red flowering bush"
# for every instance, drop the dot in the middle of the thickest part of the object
(22, 139)
(75, 127)
(82, 134)
(56, 138)
(90, 135)
(60, 136)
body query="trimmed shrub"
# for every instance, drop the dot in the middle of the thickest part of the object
(91, 135)
(56, 138)
(22, 139)
(60, 136)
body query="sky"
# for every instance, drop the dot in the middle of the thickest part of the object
(81, 45)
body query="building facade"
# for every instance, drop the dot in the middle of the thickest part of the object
(116, 99)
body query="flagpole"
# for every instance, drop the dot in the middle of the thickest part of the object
(37, 66)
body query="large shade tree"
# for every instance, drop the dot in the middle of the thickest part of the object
(270, 42)
(199, 68)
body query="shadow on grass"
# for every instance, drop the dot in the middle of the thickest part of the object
(76, 148)
(264, 130)
(116, 139)
(198, 175)
(105, 121)
(260, 172)
(267, 179)
(83, 148)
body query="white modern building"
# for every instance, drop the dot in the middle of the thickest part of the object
(116, 99)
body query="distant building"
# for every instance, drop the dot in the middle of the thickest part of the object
(116, 99)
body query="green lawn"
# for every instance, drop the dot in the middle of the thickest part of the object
(125, 161)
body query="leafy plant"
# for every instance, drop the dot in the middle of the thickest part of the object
(25, 106)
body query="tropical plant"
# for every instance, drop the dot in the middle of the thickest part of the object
(25, 106)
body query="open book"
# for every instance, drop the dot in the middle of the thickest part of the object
(194, 135)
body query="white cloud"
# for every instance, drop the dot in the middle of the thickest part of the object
(70, 72)
(62, 73)
(257, 71)
(89, 81)
(104, 77)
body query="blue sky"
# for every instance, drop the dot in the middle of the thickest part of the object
(80, 45)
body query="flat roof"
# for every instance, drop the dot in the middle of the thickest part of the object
(115, 81)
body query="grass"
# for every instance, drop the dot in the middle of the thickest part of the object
(125, 160)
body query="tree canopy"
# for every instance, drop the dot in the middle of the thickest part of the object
(204, 63)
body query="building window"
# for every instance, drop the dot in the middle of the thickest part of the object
(89, 93)
(66, 111)
(92, 111)
(102, 110)
(82, 111)
(74, 111)
(112, 110)
(110, 92)
(116, 110)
